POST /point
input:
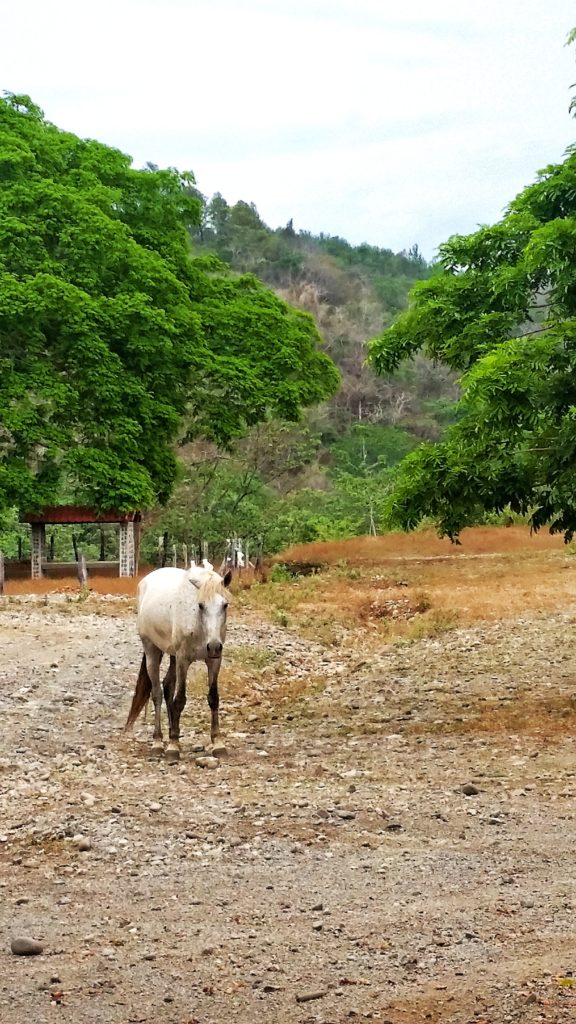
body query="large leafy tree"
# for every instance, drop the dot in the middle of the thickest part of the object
(501, 310)
(115, 342)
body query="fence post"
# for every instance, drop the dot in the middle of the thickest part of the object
(1, 573)
(258, 563)
(82, 570)
(174, 556)
(185, 555)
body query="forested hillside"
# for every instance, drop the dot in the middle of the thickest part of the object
(165, 352)
(329, 476)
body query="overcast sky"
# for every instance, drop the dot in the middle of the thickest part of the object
(379, 121)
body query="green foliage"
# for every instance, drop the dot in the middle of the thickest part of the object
(114, 342)
(501, 310)
(369, 444)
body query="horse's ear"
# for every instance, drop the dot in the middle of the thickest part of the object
(227, 578)
(195, 576)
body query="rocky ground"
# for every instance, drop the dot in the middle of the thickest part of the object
(390, 837)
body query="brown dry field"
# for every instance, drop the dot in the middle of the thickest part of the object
(333, 853)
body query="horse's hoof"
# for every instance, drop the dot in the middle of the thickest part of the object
(157, 748)
(172, 755)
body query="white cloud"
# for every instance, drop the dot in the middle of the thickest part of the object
(363, 119)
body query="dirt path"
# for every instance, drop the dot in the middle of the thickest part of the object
(332, 854)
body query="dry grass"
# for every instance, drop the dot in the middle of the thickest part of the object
(539, 717)
(372, 551)
(420, 592)
(69, 585)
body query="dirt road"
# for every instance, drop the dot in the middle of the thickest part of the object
(330, 869)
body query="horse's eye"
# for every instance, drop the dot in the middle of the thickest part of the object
(202, 606)
(225, 606)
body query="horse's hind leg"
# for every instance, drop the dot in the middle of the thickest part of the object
(153, 659)
(169, 685)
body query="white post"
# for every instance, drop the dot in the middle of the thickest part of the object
(38, 542)
(126, 549)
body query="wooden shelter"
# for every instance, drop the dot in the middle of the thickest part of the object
(75, 515)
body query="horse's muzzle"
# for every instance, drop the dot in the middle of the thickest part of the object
(214, 649)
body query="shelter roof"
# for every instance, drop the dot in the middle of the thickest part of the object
(54, 515)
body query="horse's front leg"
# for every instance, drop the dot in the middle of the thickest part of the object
(153, 659)
(213, 666)
(175, 709)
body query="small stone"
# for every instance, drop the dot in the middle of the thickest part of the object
(317, 926)
(346, 815)
(218, 750)
(154, 807)
(317, 907)
(207, 762)
(26, 947)
(307, 997)
(84, 844)
(469, 789)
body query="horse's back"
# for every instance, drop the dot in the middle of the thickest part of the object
(160, 582)
(158, 605)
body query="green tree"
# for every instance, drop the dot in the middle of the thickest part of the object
(114, 341)
(501, 310)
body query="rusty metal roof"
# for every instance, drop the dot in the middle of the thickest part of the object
(68, 515)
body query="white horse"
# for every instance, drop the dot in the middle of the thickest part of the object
(182, 613)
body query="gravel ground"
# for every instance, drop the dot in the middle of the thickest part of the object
(388, 839)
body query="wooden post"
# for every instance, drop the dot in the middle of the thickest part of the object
(224, 564)
(185, 555)
(165, 548)
(51, 548)
(19, 549)
(174, 556)
(102, 545)
(75, 546)
(82, 570)
(1, 573)
(258, 563)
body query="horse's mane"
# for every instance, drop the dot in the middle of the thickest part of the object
(211, 586)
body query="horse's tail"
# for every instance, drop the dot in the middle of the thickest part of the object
(141, 696)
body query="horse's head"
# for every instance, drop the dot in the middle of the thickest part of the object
(213, 599)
